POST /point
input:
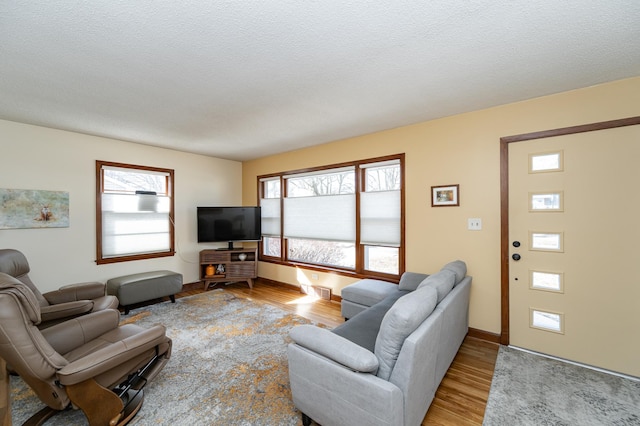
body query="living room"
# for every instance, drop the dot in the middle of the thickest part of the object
(462, 149)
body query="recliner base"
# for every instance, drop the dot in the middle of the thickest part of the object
(131, 401)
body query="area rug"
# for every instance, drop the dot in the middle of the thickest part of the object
(529, 389)
(228, 366)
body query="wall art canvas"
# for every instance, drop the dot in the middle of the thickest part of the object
(29, 208)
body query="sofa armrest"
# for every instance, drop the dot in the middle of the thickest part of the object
(330, 393)
(108, 357)
(334, 347)
(73, 292)
(71, 334)
(65, 310)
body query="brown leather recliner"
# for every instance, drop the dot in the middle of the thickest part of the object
(90, 361)
(60, 305)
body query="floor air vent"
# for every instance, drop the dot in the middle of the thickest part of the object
(321, 292)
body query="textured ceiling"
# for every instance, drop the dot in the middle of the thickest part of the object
(245, 79)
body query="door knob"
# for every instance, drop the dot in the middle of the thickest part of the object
(516, 256)
(516, 243)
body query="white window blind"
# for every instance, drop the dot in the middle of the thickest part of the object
(328, 217)
(134, 224)
(380, 204)
(270, 209)
(380, 218)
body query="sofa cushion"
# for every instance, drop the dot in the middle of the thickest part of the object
(399, 322)
(442, 281)
(409, 281)
(363, 328)
(459, 268)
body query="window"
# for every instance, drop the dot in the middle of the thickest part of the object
(134, 212)
(380, 216)
(345, 217)
(270, 204)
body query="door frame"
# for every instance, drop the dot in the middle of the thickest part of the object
(504, 200)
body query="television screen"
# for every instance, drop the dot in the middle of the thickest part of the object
(227, 224)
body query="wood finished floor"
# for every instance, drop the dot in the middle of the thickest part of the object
(462, 396)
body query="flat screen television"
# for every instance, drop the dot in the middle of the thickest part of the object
(228, 224)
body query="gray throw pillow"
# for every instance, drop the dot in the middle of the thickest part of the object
(442, 281)
(399, 322)
(409, 281)
(459, 268)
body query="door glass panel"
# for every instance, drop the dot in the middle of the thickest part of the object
(545, 162)
(546, 241)
(550, 281)
(548, 321)
(546, 201)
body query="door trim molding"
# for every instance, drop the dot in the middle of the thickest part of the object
(504, 200)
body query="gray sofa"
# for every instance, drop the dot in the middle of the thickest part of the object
(383, 366)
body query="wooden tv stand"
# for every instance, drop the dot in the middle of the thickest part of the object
(228, 266)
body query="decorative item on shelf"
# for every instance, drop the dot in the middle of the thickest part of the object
(242, 256)
(220, 269)
(209, 270)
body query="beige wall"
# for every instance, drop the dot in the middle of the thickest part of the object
(462, 149)
(35, 157)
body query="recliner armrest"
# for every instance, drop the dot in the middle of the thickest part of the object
(65, 310)
(112, 355)
(336, 348)
(74, 292)
(69, 335)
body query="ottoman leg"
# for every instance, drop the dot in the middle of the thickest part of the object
(173, 298)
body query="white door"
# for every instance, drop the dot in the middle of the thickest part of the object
(574, 224)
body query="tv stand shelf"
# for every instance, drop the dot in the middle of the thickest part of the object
(228, 266)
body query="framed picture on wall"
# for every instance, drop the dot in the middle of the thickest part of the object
(33, 208)
(445, 196)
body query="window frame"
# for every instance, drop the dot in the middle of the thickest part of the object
(360, 184)
(100, 259)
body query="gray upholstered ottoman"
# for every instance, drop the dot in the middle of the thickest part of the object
(135, 288)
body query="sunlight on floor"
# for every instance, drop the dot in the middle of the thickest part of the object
(304, 300)
(303, 304)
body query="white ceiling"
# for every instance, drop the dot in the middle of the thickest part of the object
(246, 79)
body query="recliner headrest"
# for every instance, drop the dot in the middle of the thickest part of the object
(23, 294)
(13, 262)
